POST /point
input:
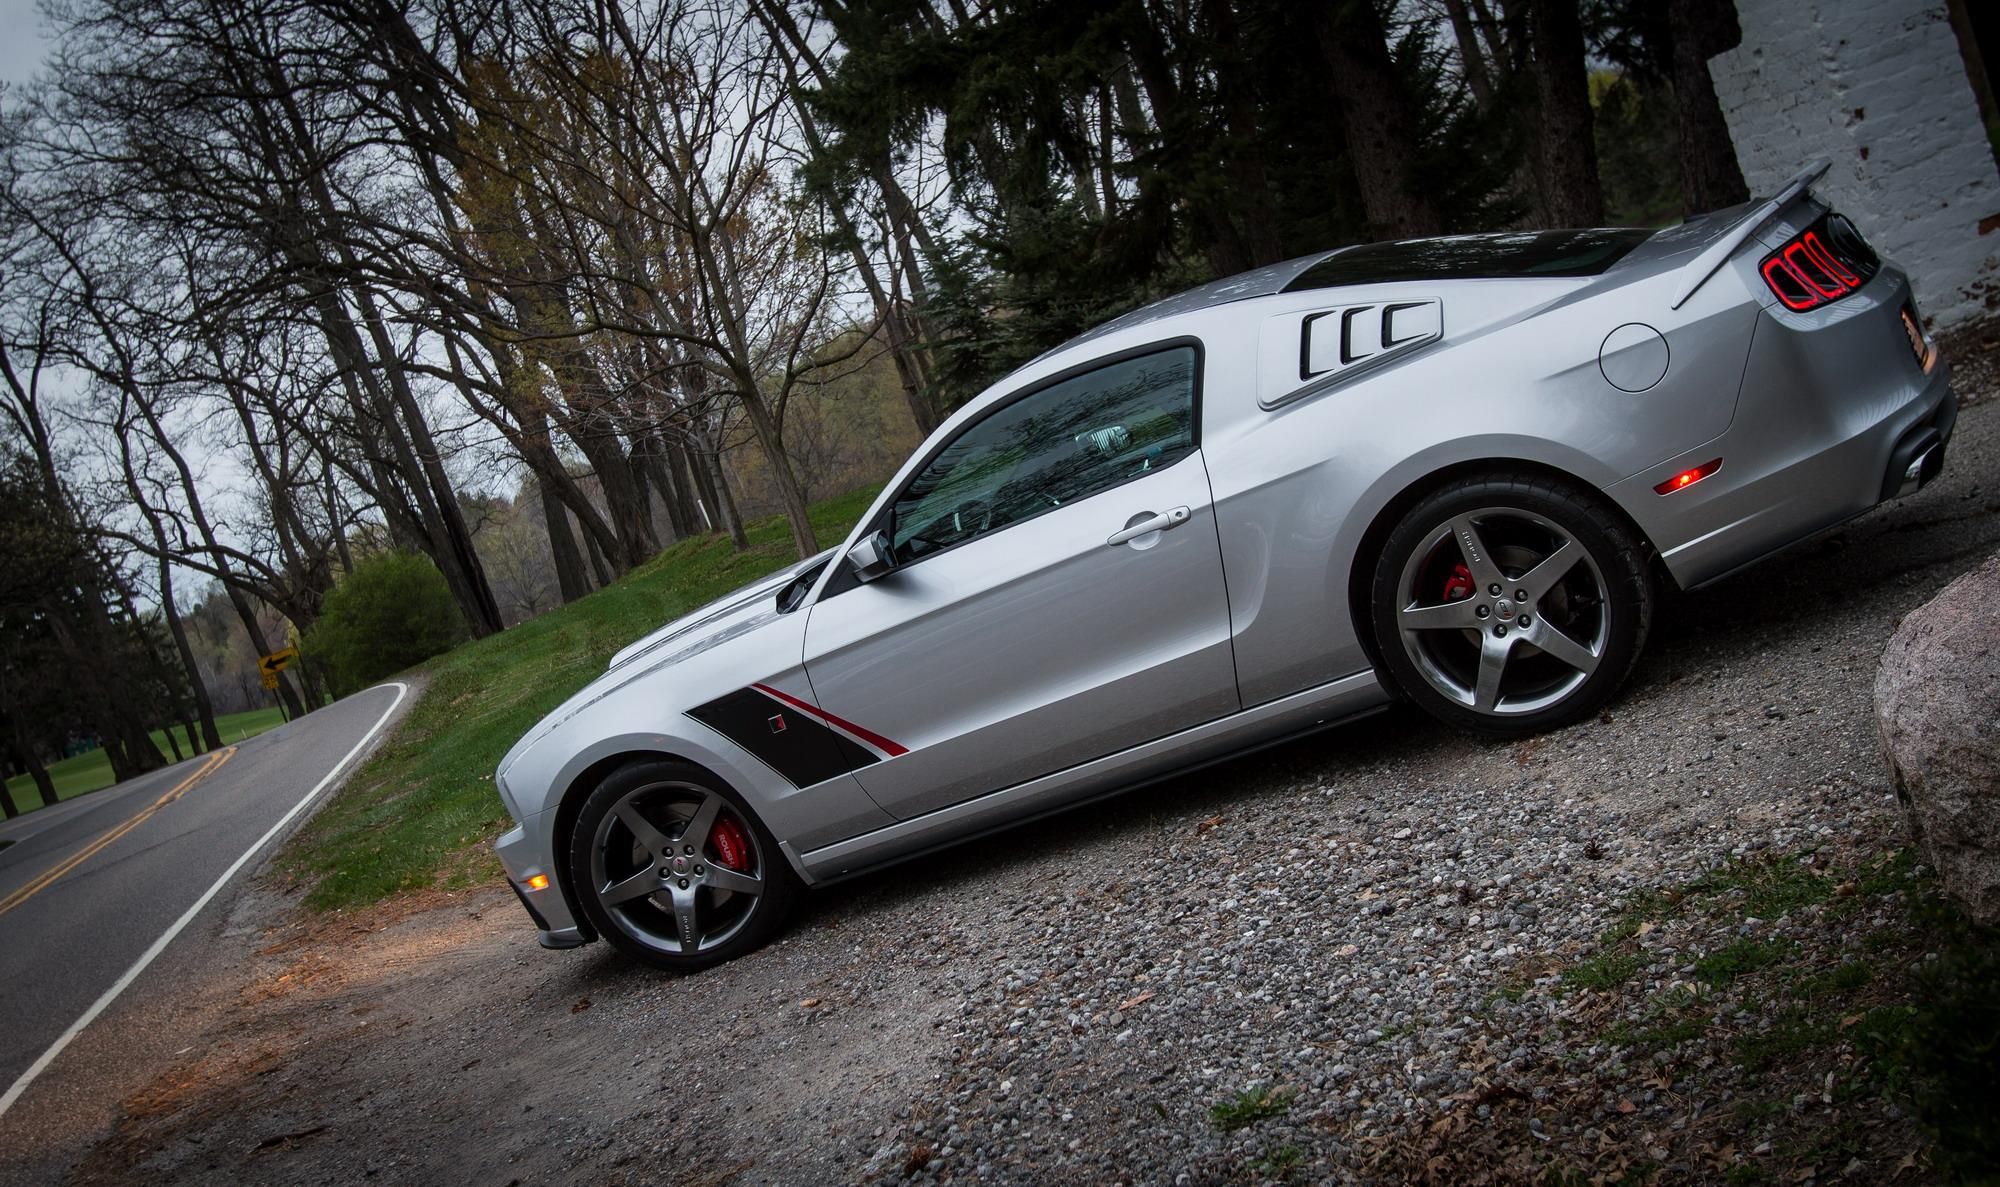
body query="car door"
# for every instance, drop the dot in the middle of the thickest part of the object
(1057, 592)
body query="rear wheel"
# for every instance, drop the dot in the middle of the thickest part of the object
(1509, 605)
(670, 866)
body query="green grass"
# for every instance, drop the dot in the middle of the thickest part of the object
(1739, 959)
(1280, 1164)
(1767, 887)
(1909, 1014)
(1794, 1032)
(421, 811)
(91, 770)
(1607, 970)
(1249, 1106)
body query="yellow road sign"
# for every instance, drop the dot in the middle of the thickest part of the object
(271, 681)
(275, 663)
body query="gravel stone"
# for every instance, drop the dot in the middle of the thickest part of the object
(1366, 930)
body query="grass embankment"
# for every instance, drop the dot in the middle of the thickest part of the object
(421, 811)
(91, 770)
(1793, 1013)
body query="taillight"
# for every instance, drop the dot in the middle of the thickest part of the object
(1822, 263)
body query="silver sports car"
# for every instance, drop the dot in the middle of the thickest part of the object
(1455, 471)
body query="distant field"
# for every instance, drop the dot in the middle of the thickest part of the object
(91, 770)
(423, 809)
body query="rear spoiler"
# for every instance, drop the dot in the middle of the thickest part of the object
(1710, 261)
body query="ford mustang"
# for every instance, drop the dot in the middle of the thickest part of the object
(1455, 471)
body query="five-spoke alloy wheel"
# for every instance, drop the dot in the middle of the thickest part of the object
(1510, 604)
(672, 868)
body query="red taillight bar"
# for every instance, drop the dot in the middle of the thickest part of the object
(1792, 253)
(1829, 262)
(1805, 273)
(1809, 301)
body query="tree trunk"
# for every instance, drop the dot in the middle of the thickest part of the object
(623, 499)
(1244, 156)
(434, 535)
(482, 609)
(687, 482)
(1222, 244)
(1710, 177)
(231, 586)
(124, 738)
(310, 687)
(604, 574)
(571, 580)
(725, 501)
(691, 450)
(1565, 150)
(288, 700)
(1376, 120)
(338, 522)
(650, 450)
(204, 709)
(1472, 59)
(25, 755)
(790, 495)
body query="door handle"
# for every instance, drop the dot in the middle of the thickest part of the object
(1159, 521)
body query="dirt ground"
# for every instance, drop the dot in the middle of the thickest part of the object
(1392, 911)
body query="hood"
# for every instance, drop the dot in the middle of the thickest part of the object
(722, 617)
(731, 616)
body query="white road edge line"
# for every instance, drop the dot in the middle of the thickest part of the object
(160, 945)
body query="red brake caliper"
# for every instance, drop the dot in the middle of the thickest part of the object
(1459, 584)
(732, 848)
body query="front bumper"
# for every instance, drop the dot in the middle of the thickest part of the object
(524, 853)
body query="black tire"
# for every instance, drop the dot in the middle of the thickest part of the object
(1586, 614)
(661, 870)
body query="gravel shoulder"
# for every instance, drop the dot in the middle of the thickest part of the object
(1386, 952)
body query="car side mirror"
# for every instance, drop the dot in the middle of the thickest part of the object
(871, 557)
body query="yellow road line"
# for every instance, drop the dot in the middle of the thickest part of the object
(42, 882)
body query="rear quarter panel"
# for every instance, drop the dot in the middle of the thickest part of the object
(1515, 377)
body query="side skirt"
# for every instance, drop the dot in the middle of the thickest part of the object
(1151, 762)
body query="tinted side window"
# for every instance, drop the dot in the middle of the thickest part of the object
(1066, 442)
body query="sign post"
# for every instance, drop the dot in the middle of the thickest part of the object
(271, 665)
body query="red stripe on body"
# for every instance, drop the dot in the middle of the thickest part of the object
(873, 739)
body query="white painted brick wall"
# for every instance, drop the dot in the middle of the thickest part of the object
(1878, 87)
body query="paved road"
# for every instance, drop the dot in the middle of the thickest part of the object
(91, 887)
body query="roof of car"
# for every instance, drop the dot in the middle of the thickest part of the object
(1258, 282)
(1495, 255)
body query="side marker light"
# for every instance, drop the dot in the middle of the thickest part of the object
(1687, 478)
(538, 882)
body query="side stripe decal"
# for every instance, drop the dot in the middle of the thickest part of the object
(876, 740)
(795, 738)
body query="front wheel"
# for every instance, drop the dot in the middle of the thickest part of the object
(671, 867)
(1509, 605)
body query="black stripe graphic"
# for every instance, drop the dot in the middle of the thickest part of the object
(788, 740)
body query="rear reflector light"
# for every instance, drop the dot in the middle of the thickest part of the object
(1687, 478)
(1822, 263)
(1926, 357)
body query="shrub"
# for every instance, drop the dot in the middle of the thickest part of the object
(394, 610)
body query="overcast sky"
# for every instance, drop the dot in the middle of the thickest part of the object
(21, 44)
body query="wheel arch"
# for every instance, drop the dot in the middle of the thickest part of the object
(570, 805)
(1361, 574)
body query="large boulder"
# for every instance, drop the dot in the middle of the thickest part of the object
(1937, 705)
